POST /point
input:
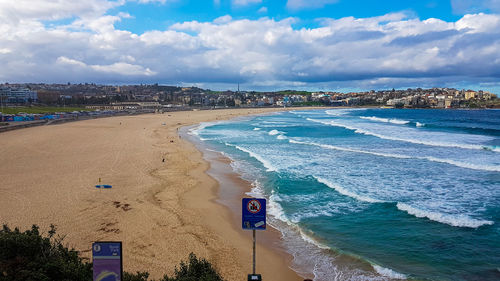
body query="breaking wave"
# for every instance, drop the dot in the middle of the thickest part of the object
(388, 272)
(414, 141)
(385, 120)
(453, 220)
(267, 164)
(488, 168)
(346, 192)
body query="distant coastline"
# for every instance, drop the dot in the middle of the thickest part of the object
(162, 97)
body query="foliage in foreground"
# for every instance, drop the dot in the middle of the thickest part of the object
(32, 257)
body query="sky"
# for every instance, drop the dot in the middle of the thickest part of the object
(328, 45)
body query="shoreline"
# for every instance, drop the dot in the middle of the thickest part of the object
(230, 181)
(231, 188)
(161, 211)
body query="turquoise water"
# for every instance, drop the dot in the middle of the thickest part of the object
(375, 194)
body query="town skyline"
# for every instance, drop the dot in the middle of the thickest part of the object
(119, 97)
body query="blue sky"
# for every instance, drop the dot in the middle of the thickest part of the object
(335, 45)
(159, 15)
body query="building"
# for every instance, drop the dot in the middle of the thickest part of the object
(126, 106)
(470, 95)
(9, 95)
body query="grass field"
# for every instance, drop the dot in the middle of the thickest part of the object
(41, 109)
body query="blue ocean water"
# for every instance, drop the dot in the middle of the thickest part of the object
(375, 194)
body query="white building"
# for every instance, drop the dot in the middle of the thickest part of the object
(10, 95)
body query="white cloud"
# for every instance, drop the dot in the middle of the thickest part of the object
(366, 52)
(262, 10)
(120, 68)
(479, 23)
(64, 60)
(15, 11)
(123, 68)
(245, 2)
(308, 4)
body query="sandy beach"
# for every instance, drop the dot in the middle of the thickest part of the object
(161, 211)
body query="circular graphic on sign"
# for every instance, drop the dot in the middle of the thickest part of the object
(253, 206)
(97, 247)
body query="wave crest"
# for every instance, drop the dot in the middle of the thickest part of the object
(267, 164)
(274, 132)
(489, 168)
(346, 192)
(453, 220)
(386, 120)
(414, 141)
(387, 272)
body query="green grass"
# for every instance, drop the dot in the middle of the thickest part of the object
(41, 109)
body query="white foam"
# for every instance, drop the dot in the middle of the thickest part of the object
(386, 120)
(489, 168)
(328, 146)
(195, 131)
(257, 191)
(346, 192)
(274, 209)
(418, 124)
(281, 137)
(457, 220)
(311, 240)
(344, 111)
(388, 272)
(266, 163)
(274, 132)
(256, 129)
(414, 141)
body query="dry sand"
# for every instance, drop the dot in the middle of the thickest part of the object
(161, 211)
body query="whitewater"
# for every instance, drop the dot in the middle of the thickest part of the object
(375, 194)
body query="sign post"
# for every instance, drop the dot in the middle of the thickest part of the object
(253, 217)
(107, 261)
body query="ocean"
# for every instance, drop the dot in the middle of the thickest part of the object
(375, 194)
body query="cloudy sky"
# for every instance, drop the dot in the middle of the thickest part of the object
(261, 44)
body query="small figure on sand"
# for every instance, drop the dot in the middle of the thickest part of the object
(163, 160)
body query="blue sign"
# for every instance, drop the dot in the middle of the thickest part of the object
(103, 186)
(107, 261)
(253, 213)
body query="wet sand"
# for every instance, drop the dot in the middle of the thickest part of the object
(161, 211)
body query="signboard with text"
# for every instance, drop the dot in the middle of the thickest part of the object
(253, 213)
(107, 261)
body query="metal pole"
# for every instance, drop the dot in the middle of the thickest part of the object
(254, 251)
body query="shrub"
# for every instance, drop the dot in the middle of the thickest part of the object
(29, 256)
(195, 270)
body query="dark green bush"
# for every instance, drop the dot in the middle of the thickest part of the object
(195, 270)
(139, 276)
(29, 256)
